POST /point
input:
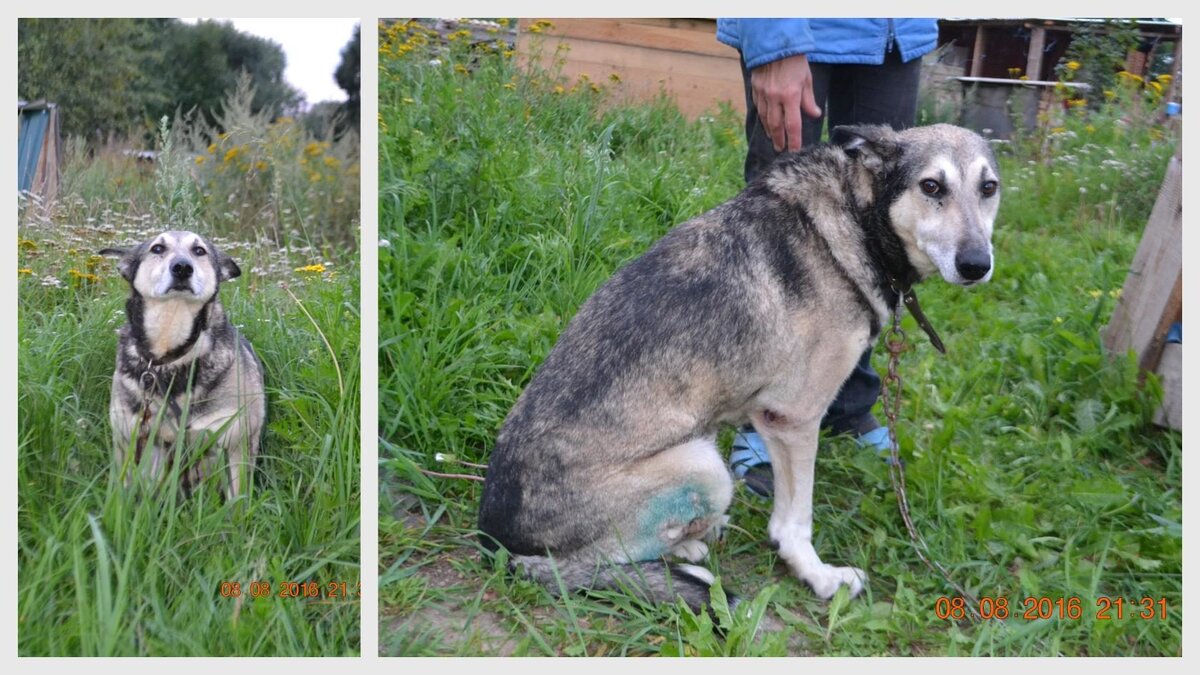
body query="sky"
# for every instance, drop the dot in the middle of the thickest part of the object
(313, 48)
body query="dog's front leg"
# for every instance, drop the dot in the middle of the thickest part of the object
(792, 445)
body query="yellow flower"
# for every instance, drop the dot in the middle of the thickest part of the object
(1072, 65)
(313, 149)
(1058, 319)
(508, 53)
(318, 268)
(83, 277)
(25, 271)
(1058, 130)
(509, 85)
(200, 159)
(614, 77)
(261, 165)
(460, 68)
(558, 89)
(502, 22)
(27, 245)
(1164, 79)
(331, 162)
(1157, 87)
(1110, 94)
(1023, 77)
(212, 149)
(1090, 129)
(231, 154)
(407, 100)
(1115, 293)
(1095, 293)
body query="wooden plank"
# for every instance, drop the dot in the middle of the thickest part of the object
(692, 36)
(697, 82)
(1037, 45)
(978, 54)
(1152, 297)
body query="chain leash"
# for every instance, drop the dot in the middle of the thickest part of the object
(890, 393)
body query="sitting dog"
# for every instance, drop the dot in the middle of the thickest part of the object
(185, 378)
(758, 310)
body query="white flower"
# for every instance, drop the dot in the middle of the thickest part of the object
(384, 243)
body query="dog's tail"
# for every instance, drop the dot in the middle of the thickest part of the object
(652, 581)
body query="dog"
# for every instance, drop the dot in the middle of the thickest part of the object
(186, 381)
(758, 309)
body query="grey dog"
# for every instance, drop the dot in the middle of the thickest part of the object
(185, 380)
(607, 466)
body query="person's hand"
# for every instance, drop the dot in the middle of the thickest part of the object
(783, 94)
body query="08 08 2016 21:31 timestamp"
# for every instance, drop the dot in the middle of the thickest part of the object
(301, 590)
(1069, 608)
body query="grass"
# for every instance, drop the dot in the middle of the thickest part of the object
(110, 571)
(507, 197)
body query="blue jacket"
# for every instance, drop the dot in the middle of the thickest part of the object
(862, 41)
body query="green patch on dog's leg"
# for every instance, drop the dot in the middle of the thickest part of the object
(664, 520)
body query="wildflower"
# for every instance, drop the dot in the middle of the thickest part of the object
(317, 268)
(1109, 94)
(502, 22)
(1058, 319)
(384, 243)
(1157, 87)
(595, 88)
(1023, 77)
(200, 159)
(1091, 129)
(558, 89)
(541, 25)
(615, 77)
(508, 53)
(1082, 190)
(460, 68)
(82, 277)
(331, 162)
(509, 85)
(1163, 79)
(231, 154)
(1072, 65)
(25, 271)
(1058, 130)
(212, 149)
(407, 100)
(52, 282)
(1095, 293)
(1115, 293)
(261, 165)
(314, 148)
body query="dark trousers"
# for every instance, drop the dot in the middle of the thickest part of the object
(846, 94)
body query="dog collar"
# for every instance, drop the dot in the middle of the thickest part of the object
(909, 297)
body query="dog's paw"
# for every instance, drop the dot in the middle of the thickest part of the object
(691, 550)
(826, 580)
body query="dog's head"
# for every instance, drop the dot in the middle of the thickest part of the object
(941, 186)
(175, 265)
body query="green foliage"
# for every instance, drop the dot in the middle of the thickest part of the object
(1098, 51)
(347, 76)
(118, 77)
(110, 571)
(507, 196)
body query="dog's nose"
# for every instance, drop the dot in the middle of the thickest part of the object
(973, 264)
(181, 270)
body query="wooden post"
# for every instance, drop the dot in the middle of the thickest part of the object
(1037, 45)
(978, 53)
(1152, 297)
(1176, 66)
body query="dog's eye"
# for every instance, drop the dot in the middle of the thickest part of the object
(157, 249)
(931, 187)
(199, 250)
(988, 188)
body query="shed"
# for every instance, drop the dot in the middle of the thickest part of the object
(39, 148)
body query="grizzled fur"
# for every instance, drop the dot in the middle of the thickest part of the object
(758, 310)
(184, 375)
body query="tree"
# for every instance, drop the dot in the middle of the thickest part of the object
(347, 76)
(100, 72)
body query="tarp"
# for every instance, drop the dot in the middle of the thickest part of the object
(38, 148)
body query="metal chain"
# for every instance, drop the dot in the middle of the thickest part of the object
(890, 391)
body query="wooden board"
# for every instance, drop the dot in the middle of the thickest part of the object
(677, 57)
(1152, 297)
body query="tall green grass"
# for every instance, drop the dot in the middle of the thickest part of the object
(1033, 471)
(105, 570)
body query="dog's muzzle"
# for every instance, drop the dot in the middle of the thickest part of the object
(973, 264)
(181, 273)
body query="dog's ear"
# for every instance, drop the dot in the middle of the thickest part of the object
(226, 268)
(127, 263)
(871, 144)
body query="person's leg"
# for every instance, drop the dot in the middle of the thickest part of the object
(883, 94)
